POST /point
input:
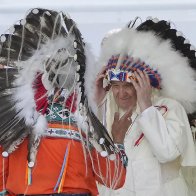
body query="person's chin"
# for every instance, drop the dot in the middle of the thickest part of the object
(124, 107)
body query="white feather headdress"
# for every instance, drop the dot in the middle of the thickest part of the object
(160, 47)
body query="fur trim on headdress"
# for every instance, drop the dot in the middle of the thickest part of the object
(177, 76)
(89, 77)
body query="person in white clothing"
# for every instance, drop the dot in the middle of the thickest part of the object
(149, 70)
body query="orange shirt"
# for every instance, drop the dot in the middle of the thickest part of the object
(80, 175)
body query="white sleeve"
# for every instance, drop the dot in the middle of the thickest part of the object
(166, 135)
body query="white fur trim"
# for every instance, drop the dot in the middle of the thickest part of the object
(81, 121)
(40, 126)
(47, 84)
(90, 78)
(24, 93)
(25, 103)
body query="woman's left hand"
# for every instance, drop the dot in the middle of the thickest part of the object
(143, 89)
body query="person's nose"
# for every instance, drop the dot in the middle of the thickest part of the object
(122, 93)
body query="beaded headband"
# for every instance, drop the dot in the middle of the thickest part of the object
(125, 72)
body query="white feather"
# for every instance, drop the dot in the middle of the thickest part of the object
(40, 126)
(90, 78)
(81, 121)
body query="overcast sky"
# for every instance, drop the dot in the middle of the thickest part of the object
(95, 18)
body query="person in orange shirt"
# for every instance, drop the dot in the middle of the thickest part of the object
(51, 140)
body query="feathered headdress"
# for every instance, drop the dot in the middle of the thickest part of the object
(44, 51)
(167, 57)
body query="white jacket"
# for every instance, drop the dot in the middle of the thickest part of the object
(154, 164)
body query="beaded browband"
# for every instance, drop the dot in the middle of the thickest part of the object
(126, 68)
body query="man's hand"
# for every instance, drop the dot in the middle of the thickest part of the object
(120, 126)
(100, 92)
(143, 89)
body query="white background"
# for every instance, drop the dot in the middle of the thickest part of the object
(95, 18)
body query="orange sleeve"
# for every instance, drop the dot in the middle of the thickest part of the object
(3, 171)
(110, 173)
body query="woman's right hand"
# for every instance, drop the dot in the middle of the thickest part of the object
(100, 91)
